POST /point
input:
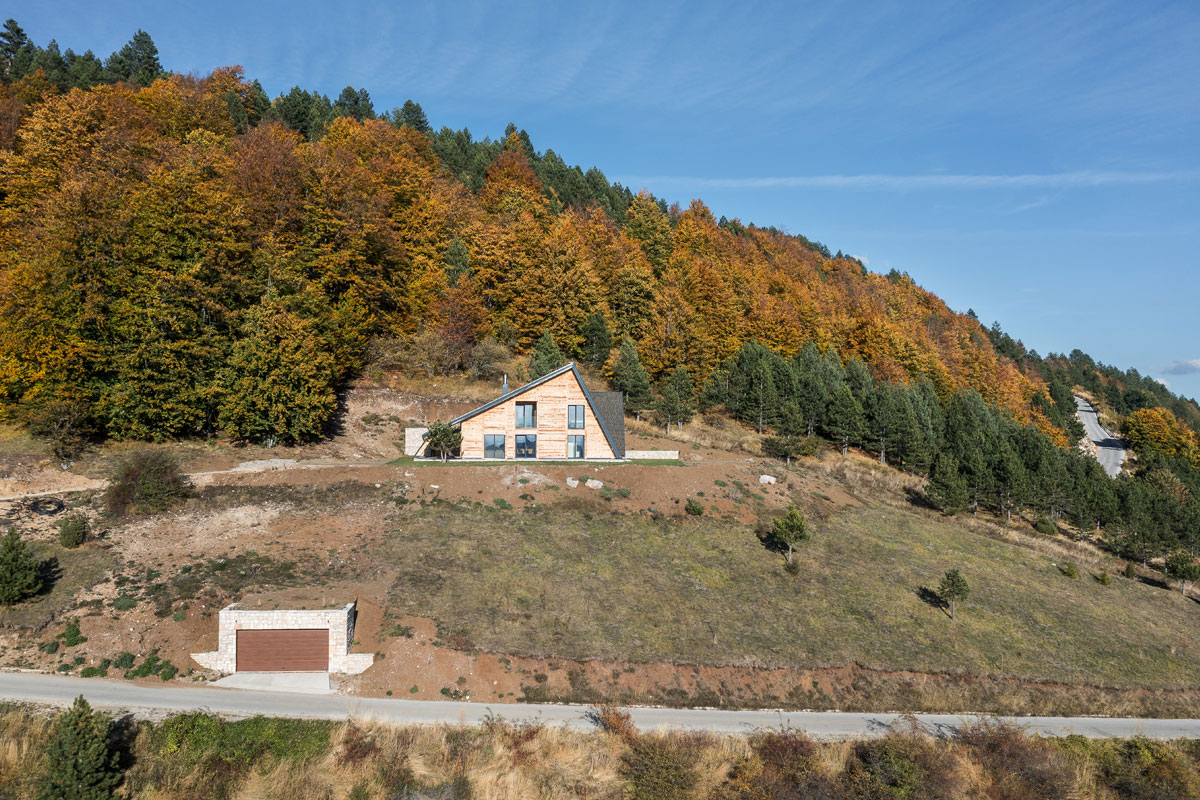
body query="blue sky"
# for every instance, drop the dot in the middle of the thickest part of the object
(1037, 162)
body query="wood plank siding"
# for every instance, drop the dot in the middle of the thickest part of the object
(552, 398)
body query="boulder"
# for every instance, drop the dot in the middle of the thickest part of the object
(766, 480)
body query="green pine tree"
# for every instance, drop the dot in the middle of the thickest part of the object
(80, 765)
(790, 530)
(952, 589)
(458, 261)
(630, 378)
(677, 401)
(546, 357)
(13, 41)
(413, 116)
(844, 419)
(790, 438)
(136, 62)
(761, 401)
(947, 488)
(597, 339)
(1011, 480)
(20, 571)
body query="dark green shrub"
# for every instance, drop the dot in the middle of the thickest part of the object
(1130, 570)
(73, 531)
(1104, 579)
(693, 507)
(71, 635)
(167, 671)
(1069, 569)
(48, 647)
(1044, 525)
(123, 661)
(123, 602)
(146, 482)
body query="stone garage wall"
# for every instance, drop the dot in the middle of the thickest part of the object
(414, 440)
(339, 621)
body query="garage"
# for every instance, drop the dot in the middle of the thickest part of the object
(302, 650)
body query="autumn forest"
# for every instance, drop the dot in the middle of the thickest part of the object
(183, 256)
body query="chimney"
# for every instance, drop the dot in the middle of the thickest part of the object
(504, 387)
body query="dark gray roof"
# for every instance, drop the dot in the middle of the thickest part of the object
(610, 409)
(613, 413)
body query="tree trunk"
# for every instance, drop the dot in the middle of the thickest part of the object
(845, 444)
(789, 554)
(953, 609)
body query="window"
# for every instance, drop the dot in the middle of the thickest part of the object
(574, 447)
(493, 445)
(574, 416)
(526, 415)
(526, 445)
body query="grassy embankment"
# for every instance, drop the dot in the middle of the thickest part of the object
(194, 756)
(585, 584)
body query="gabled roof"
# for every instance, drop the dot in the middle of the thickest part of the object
(604, 418)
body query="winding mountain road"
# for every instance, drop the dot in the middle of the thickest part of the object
(1109, 451)
(122, 696)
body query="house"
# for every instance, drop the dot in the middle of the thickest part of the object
(552, 418)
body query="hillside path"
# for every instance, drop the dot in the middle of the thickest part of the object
(1109, 451)
(205, 478)
(124, 696)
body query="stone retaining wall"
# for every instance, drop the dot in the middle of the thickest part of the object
(339, 621)
(637, 455)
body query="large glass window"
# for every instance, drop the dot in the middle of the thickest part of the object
(493, 445)
(526, 445)
(575, 446)
(574, 416)
(526, 415)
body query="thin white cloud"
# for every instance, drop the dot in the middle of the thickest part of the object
(1183, 367)
(1051, 180)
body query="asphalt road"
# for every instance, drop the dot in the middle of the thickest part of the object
(1109, 451)
(123, 696)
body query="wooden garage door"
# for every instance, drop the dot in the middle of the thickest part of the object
(283, 651)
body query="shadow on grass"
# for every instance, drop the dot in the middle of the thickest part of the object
(920, 499)
(932, 598)
(49, 572)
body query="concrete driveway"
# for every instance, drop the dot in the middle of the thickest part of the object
(295, 682)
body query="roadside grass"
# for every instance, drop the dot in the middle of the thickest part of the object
(202, 756)
(76, 570)
(584, 585)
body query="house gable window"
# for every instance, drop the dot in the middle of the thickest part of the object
(574, 417)
(526, 445)
(575, 446)
(526, 415)
(493, 445)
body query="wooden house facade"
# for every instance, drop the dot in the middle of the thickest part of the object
(550, 419)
